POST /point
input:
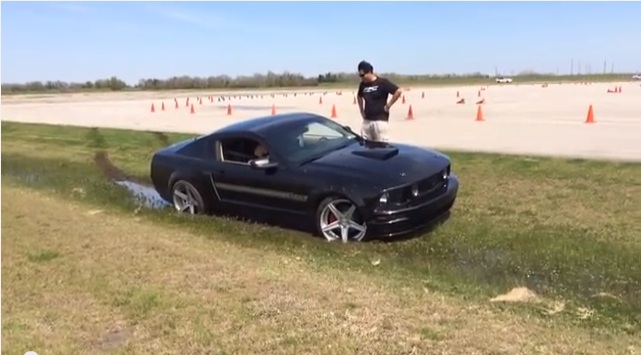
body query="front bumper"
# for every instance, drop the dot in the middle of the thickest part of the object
(395, 222)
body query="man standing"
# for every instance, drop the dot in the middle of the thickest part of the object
(372, 102)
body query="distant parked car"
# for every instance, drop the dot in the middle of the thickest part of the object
(636, 77)
(309, 167)
(503, 80)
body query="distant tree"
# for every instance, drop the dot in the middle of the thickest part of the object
(270, 80)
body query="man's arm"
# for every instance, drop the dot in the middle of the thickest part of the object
(395, 91)
(360, 100)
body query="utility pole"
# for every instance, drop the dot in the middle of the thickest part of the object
(572, 67)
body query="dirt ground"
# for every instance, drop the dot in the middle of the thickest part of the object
(519, 119)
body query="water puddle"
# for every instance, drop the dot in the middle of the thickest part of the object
(145, 195)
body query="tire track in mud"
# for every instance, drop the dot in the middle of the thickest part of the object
(101, 158)
(162, 137)
(141, 191)
(111, 171)
(95, 138)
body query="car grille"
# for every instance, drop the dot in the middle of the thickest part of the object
(427, 189)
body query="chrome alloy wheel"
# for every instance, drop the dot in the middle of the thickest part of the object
(339, 220)
(186, 198)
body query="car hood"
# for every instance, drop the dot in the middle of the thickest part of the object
(391, 165)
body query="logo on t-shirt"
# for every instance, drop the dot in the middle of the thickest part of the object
(369, 89)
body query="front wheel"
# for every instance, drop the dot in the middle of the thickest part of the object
(337, 218)
(186, 198)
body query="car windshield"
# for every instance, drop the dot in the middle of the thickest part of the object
(298, 142)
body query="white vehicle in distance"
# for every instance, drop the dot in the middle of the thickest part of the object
(636, 77)
(503, 80)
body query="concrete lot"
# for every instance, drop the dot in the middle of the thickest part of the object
(520, 119)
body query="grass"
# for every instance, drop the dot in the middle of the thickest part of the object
(92, 271)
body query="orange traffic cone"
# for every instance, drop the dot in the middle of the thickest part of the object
(403, 99)
(423, 95)
(191, 110)
(410, 113)
(320, 100)
(162, 107)
(590, 118)
(228, 109)
(479, 114)
(334, 115)
(273, 109)
(153, 109)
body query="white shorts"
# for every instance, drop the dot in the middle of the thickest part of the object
(375, 130)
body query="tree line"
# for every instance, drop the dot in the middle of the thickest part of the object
(276, 80)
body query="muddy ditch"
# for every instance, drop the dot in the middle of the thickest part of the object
(142, 193)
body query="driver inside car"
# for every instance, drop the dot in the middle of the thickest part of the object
(260, 151)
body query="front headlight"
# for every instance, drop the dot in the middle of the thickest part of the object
(446, 173)
(384, 198)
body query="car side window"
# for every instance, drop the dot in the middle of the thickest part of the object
(241, 150)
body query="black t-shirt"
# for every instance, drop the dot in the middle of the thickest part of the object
(375, 96)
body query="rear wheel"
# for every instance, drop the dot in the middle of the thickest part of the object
(337, 218)
(186, 198)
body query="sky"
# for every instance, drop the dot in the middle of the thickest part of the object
(80, 41)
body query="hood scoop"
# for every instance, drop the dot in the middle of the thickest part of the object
(383, 153)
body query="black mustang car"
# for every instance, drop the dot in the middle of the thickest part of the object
(305, 166)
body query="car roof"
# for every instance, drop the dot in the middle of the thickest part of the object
(262, 124)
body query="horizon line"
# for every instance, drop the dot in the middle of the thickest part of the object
(345, 76)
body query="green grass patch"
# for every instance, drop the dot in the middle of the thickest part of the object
(567, 229)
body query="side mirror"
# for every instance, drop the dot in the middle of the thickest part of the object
(262, 164)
